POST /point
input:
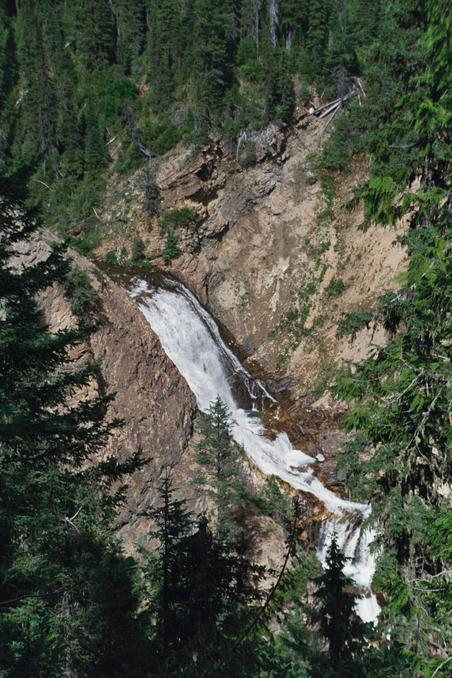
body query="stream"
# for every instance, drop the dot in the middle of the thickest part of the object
(191, 339)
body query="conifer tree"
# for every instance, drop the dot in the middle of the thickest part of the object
(201, 593)
(130, 18)
(317, 35)
(59, 564)
(213, 56)
(95, 36)
(335, 614)
(219, 460)
(171, 249)
(164, 50)
(8, 62)
(401, 394)
(166, 571)
(38, 137)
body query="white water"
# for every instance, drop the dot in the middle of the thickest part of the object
(191, 339)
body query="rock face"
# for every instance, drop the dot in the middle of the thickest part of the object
(276, 254)
(151, 396)
(283, 257)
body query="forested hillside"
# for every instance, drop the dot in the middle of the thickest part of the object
(79, 79)
(75, 75)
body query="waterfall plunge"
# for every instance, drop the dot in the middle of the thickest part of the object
(192, 341)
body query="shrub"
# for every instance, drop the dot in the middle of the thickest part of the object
(177, 218)
(247, 154)
(171, 249)
(78, 289)
(137, 249)
(111, 257)
(352, 322)
(335, 287)
(161, 137)
(151, 193)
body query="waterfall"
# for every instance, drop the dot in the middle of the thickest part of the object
(273, 12)
(191, 339)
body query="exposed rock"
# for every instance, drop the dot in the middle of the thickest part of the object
(278, 260)
(151, 396)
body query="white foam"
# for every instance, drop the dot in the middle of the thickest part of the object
(191, 339)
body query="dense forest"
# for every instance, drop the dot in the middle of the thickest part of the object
(75, 75)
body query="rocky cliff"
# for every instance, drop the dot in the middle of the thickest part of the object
(275, 252)
(152, 398)
(277, 256)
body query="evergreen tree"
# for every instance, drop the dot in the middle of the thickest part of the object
(130, 18)
(37, 142)
(335, 614)
(165, 571)
(200, 593)
(171, 249)
(8, 62)
(95, 149)
(163, 48)
(214, 38)
(219, 460)
(59, 565)
(95, 33)
(401, 394)
(293, 22)
(317, 35)
(279, 87)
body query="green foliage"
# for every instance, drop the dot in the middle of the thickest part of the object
(202, 593)
(151, 193)
(68, 593)
(177, 218)
(111, 257)
(170, 221)
(399, 456)
(171, 248)
(138, 248)
(247, 154)
(160, 137)
(335, 614)
(350, 323)
(218, 458)
(151, 72)
(271, 501)
(335, 287)
(78, 288)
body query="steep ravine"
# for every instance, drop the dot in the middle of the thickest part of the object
(155, 377)
(275, 253)
(193, 342)
(277, 260)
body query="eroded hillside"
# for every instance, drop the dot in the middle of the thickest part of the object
(273, 249)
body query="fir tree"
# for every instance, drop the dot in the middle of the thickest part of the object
(401, 393)
(219, 460)
(94, 25)
(165, 570)
(130, 18)
(335, 613)
(171, 249)
(200, 591)
(58, 563)
(317, 35)
(213, 56)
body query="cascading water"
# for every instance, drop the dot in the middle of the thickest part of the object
(191, 339)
